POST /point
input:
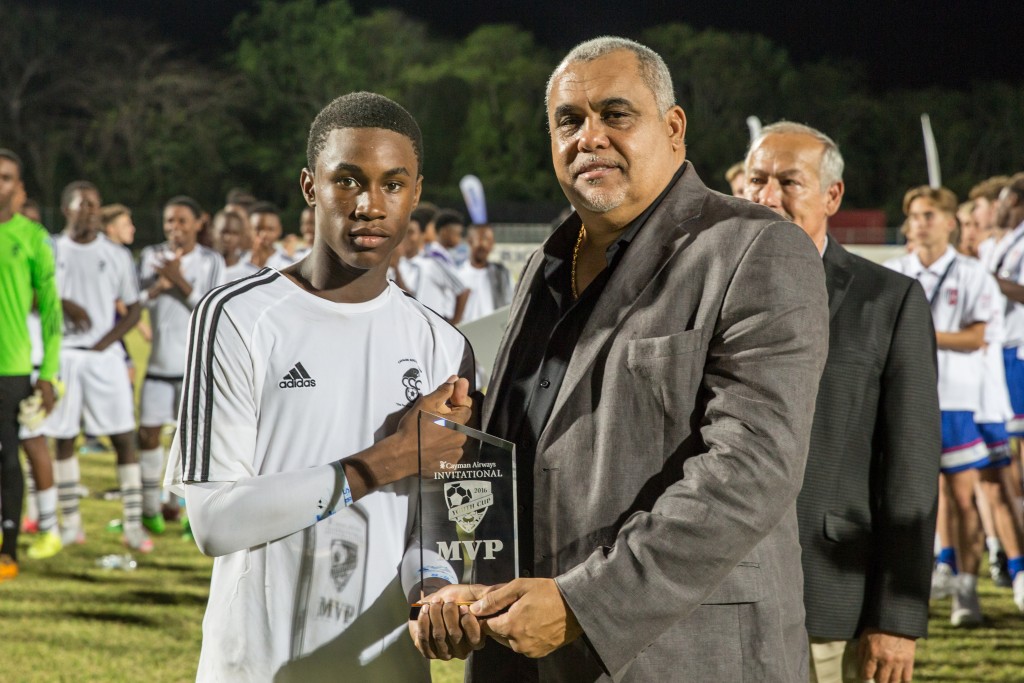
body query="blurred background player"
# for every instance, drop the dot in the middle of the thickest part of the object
(26, 274)
(307, 228)
(450, 226)
(736, 176)
(432, 280)
(174, 277)
(93, 274)
(962, 297)
(489, 283)
(267, 229)
(228, 231)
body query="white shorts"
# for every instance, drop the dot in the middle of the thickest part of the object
(160, 399)
(98, 395)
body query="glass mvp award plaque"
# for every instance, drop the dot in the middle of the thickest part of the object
(468, 527)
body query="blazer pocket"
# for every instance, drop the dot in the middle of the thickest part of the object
(651, 348)
(745, 583)
(844, 530)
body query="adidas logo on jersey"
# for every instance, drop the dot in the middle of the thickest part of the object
(297, 377)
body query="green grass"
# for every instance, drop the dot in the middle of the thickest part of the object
(67, 620)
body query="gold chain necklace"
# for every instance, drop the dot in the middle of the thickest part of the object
(575, 257)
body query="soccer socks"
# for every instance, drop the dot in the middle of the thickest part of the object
(151, 462)
(66, 474)
(1015, 565)
(130, 478)
(948, 556)
(31, 505)
(47, 509)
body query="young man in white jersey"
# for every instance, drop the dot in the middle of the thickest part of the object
(228, 232)
(962, 298)
(432, 281)
(174, 277)
(490, 284)
(93, 274)
(266, 225)
(296, 449)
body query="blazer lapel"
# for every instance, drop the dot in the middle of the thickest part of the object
(838, 275)
(666, 232)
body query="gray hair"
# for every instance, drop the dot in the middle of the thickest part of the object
(653, 71)
(831, 169)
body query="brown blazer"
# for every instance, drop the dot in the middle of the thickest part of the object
(667, 474)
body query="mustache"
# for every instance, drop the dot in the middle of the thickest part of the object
(590, 162)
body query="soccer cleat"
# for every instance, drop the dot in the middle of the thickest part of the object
(944, 581)
(29, 526)
(137, 539)
(155, 523)
(966, 610)
(8, 568)
(72, 536)
(1018, 590)
(1000, 571)
(46, 544)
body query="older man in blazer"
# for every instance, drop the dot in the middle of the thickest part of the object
(867, 508)
(658, 376)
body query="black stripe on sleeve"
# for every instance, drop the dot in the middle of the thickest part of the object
(253, 282)
(200, 339)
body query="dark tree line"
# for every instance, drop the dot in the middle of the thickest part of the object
(104, 99)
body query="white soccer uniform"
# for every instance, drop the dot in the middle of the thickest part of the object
(279, 259)
(169, 314)
(99, 394)
(243, 268)
(35, 336)
(281, 383)
(1005, 259)
(433, 282)
(968, 295)
(481, 296)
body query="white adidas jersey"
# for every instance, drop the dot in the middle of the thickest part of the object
(94, 276)
(169, 312)
(281, 380)
(968, 295)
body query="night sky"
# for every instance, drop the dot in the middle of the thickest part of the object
(899, 43)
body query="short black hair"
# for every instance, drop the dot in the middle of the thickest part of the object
(423, 215)
(448, 217)
(74, 186)
(11, 156)
(362, 110)
(186, 201)
(264, 207)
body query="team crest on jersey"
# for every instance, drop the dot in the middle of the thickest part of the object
(952, 296)
(412, 379)
(344, 558)
(468, 501)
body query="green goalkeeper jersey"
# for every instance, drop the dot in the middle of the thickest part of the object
(27, 273)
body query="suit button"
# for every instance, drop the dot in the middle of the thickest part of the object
(545, 383)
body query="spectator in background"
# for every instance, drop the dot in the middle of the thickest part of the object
(228, 230)
(307, 228)
(428, 230)
(450, 226)
(971, 235)
(433, 282)
(117, 224)
(490, 284)
(737, 178)
(867, 507)
(240, 201)
(985, 197)
(266, 224)
(30, 210)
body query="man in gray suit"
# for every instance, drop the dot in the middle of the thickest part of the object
(658, 376)
(867, 508)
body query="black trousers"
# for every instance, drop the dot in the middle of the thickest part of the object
(12, 481)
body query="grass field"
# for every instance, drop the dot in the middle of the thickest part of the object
(68, 620)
